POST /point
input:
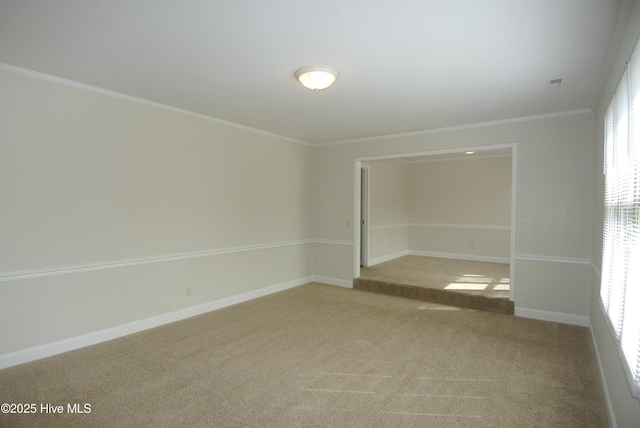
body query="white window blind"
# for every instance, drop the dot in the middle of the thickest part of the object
(620, 285)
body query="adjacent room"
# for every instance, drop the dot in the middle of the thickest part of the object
(196, 199)
(439, 222)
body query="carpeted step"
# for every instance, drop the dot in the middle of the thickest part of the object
(446, 297)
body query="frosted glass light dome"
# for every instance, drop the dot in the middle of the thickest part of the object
(317, 77)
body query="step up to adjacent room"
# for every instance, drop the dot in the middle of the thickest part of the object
(462, 283)
(453, 298)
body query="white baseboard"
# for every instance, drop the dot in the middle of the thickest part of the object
(332, 281)
(459, 256)
(388, 257)
(603, 383)
(37, 352)
(559, 317)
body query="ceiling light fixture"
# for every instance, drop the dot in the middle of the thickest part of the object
(317, 77)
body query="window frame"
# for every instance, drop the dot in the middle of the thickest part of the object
(620, 277)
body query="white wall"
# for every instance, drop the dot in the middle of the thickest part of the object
(457, 208)
(334, 217)
(112, 208)
(553, 203)
(462, 191)
(461, 208)
(624, 409)
(388, 208)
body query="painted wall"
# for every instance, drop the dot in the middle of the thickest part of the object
(457, 208)
(115, 212)
(389, 189)
(461, 208)
(623, 408)
(554, 186)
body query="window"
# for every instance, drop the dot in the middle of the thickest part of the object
(620, 285)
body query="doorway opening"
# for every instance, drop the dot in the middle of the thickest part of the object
(364, 254)
(364, 215)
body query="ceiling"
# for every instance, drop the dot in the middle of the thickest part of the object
(405, 65)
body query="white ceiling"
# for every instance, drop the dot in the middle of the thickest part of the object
(405, 65)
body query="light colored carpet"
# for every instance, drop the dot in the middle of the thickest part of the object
(323, 356)
(463, 276)
(471, 284)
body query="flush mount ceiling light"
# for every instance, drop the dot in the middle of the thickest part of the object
(317, 77)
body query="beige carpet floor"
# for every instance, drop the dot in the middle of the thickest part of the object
(323, 356)
(480, 278)
(477, 285)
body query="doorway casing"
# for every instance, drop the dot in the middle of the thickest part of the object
(364, 215)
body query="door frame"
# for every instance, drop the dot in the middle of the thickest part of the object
(364, 215)
(357, 200)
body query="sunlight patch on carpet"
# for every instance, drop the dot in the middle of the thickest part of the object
(466, 286)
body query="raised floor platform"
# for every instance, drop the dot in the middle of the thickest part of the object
(469, 284)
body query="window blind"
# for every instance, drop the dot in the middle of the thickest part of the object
(620, 282)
